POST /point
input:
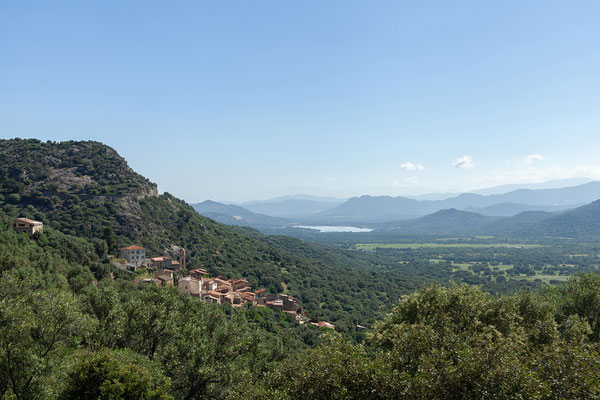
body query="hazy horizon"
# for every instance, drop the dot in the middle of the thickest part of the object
(243, 101)
(551, 184)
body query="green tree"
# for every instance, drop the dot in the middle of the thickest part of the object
(38, 327)
(119, 374)
(14, 198)
(111, 239)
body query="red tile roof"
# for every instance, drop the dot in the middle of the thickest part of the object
(199, 271)
(132, 248)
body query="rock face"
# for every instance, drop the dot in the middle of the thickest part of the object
(85, 169)
(78, 187)
(86, 189)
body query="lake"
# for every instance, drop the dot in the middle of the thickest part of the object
(327, 229)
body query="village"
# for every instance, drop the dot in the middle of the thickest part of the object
(219, 290)
(197, 282)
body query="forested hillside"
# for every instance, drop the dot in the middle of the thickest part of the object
(458, 343)
(330, 284)
(581, 223)
(73, 326)
(62, 335)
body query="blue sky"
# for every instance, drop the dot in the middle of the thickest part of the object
(240, 100)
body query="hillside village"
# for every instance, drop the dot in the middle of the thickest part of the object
(219, 290)
(197, 282)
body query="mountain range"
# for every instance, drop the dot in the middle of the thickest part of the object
(579, 223)
(232, 214)
(386, 208)
(555, 212)
(292, 206)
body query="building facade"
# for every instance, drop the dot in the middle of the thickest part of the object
(134, 255)
(190, 285)
(28, 226)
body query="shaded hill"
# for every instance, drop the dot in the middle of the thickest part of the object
(235, 215)
(443, 222)
(516, 224)
(375, 209)
(581, 223)
(512, 209)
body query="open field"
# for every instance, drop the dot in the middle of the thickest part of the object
(465, 266)
(544, 278)
(373, 246)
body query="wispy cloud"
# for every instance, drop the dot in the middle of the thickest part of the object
(530, 159)
(408, 166)
(463, 162)
(413, 179)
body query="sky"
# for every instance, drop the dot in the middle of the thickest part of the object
(243, 100)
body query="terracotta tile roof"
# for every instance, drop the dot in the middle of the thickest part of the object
(199, 271)
(324, 324)
(132, 248)
(247, 296)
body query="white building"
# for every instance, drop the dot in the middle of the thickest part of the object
(134, 255)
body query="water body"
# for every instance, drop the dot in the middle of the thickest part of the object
(327, 229)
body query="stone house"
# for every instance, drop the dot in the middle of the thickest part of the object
(165, 276)
(28, 226)
(209, 285)
(190, 285)
(164, 262)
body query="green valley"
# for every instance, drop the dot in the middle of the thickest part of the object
(74, 325)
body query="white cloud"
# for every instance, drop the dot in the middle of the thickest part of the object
(463, 162)
(413, 179)
(408, 166)
(530, 159)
